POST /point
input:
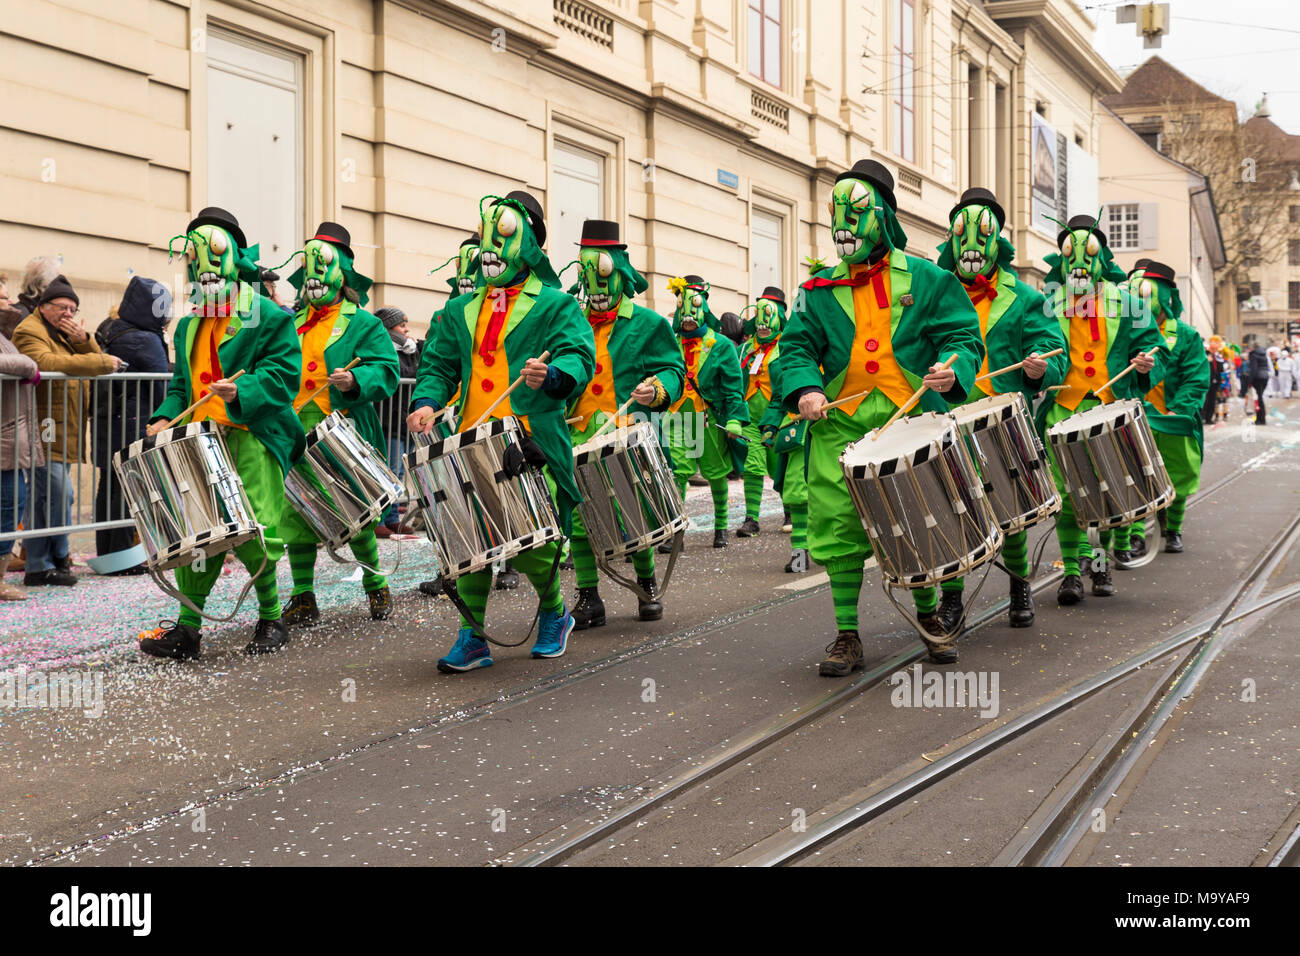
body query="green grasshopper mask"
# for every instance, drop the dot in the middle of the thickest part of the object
(513, 231)
(692, 315)
(322, 274)
(1155, 287)
(602, 280)
(768, 320)
(973, 242)
(212, 265)
(466, 268)
(1084, 260)
(856, 219)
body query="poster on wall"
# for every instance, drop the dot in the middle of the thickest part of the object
(1044, 194)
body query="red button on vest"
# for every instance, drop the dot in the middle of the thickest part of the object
(599, 368)
(311, 366)
(489, 360)
(1088, 356)
(203, 394)
(873, 366)
(1090, 371)
(309, 384)
(597, 388)
(872, 345)
(204, 377)
(487, 384)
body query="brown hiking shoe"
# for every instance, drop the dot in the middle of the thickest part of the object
(843, 655)
(943, 645)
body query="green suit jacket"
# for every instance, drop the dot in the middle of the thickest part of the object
(1130, 329)
(1187, 379)
(260, 339)
(1020, 323)
(543, 319)
(931, 318)
(719, 380)
(359, 334)
(641, 345)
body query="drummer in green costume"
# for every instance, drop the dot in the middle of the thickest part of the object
(333, 330)
(1106, 330)
(1016, 327)
(637, 358)
(233, 329)
(484, 342)
(1174, 406)
(881, 322)
(761, 348)
(707, 420)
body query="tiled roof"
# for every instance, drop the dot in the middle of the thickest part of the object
(1268, 131)
(1156, 82)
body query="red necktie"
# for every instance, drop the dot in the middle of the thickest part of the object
(213, 358)
(982, 289)
(1090, 310)
(875, 275)
(689, 348)
(501, 298)
(315, 316)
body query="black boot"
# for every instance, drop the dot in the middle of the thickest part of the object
(748, 528)
(1022, 604)
(787, 524)
(180, 643)
(1102, 585)
(1123, 559)
(951, 613)
(1070, 591)
(799, 561)
(1173, 542)
(720, 538)
(431, 588)
(589, 611)
(268, 638)
(941, 647)
(667, 547)
(301, 611)
(1138, 546)
(650, 610)
(507, 579)
(381, 604)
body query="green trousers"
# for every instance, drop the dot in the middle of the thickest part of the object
(1182, 457)
(264, 485)
(760, 461)
(695, 444)
(794, 495)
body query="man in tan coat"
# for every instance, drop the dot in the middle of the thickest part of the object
(55, 339)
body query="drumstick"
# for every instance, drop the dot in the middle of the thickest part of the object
(574, 420)
(1131, 366)
(835, 404)
(506, 394)
(198, 403)
(1012, 368)
(916, 397)
(622, 410)
(347, 368)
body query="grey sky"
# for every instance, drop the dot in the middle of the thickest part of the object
(1236, 62)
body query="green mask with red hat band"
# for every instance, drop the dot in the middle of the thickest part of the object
(862, 213)
(1155, 284)
(325, 273)
(216, 259)
(607, 275)
(512, 234)
(1084, 259)
(766, 316)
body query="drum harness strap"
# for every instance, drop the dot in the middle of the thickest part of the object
(449, 589)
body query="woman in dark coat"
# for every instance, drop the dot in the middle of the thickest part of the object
(122, 409)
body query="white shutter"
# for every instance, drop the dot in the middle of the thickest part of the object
(1148, 226)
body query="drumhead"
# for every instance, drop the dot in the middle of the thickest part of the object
(980, 415)
(1096, 420)
(491, 428)
(614, 441)
(164, 437)
(908, 439)
(332, 422)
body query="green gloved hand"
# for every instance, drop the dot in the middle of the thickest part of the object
(734, 428)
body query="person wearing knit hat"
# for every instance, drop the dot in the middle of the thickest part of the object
(703, 432)
(518, 325)
(1014, 327)
(392, 410)
(1105, 329)
(333, 330)
(1174, 406)
(637, 359)
(879, 325)
(233, 329)
(762, 347)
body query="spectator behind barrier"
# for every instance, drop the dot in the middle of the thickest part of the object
(40, 272)
(19, 450)
(392, 412)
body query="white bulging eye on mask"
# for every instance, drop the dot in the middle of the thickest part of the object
(697, 300)
(986, 223)
(507, 223)
(1094, 245)
(326, 253)
(217, 242)
(191, 250)
(1146, 289)
(604, 265)
(959, 224)
(859, 195)
(1067, 246)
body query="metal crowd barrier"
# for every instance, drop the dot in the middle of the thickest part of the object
(99, 419)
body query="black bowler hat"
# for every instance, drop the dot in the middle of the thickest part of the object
(977, 196)
(600, 232)
(1159, 271)
(216, 216)
(775, 294)
(472, 240)
(1081, 222)
(698, 284)
(534, 209)
(1138, 267)
(876, 174)
(336, 235)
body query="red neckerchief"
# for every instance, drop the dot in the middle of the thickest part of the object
(500, 309)
(1090, 310)
(874, 275)
(981, 288)
(689, 348)
(314, 318)
(765, 349)
(600, 318)
(213, 358)
(207, 311)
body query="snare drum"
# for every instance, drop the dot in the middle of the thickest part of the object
(475, 512)
(1010, 459)
(629, 499)
(1112, 469)
(185, 496)
(921, 501)
(341, 485)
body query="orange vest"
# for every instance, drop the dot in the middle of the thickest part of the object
(692, 359)
(212, 329)
(599, 396)
(761, 381)
(871, 363)
(489, 376)
(1087, 362)
(1157, 395)
(314, 372)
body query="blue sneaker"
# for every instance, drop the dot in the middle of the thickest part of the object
(553, 632)
(466, 654)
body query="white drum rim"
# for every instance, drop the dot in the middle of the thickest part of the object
(437, 448)
(504, 552)
(167, 436)
(617, 439)
(658, 536)
(1122, 412)
(980, 415)
(944, 435)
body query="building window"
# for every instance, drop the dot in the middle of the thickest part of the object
(1293, 296)
(1124, 226)
(1293, 252)
(1255, 288)
(766, 251)
(1294, 214)
(904, 67)
(578, 185)
(765, 40)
